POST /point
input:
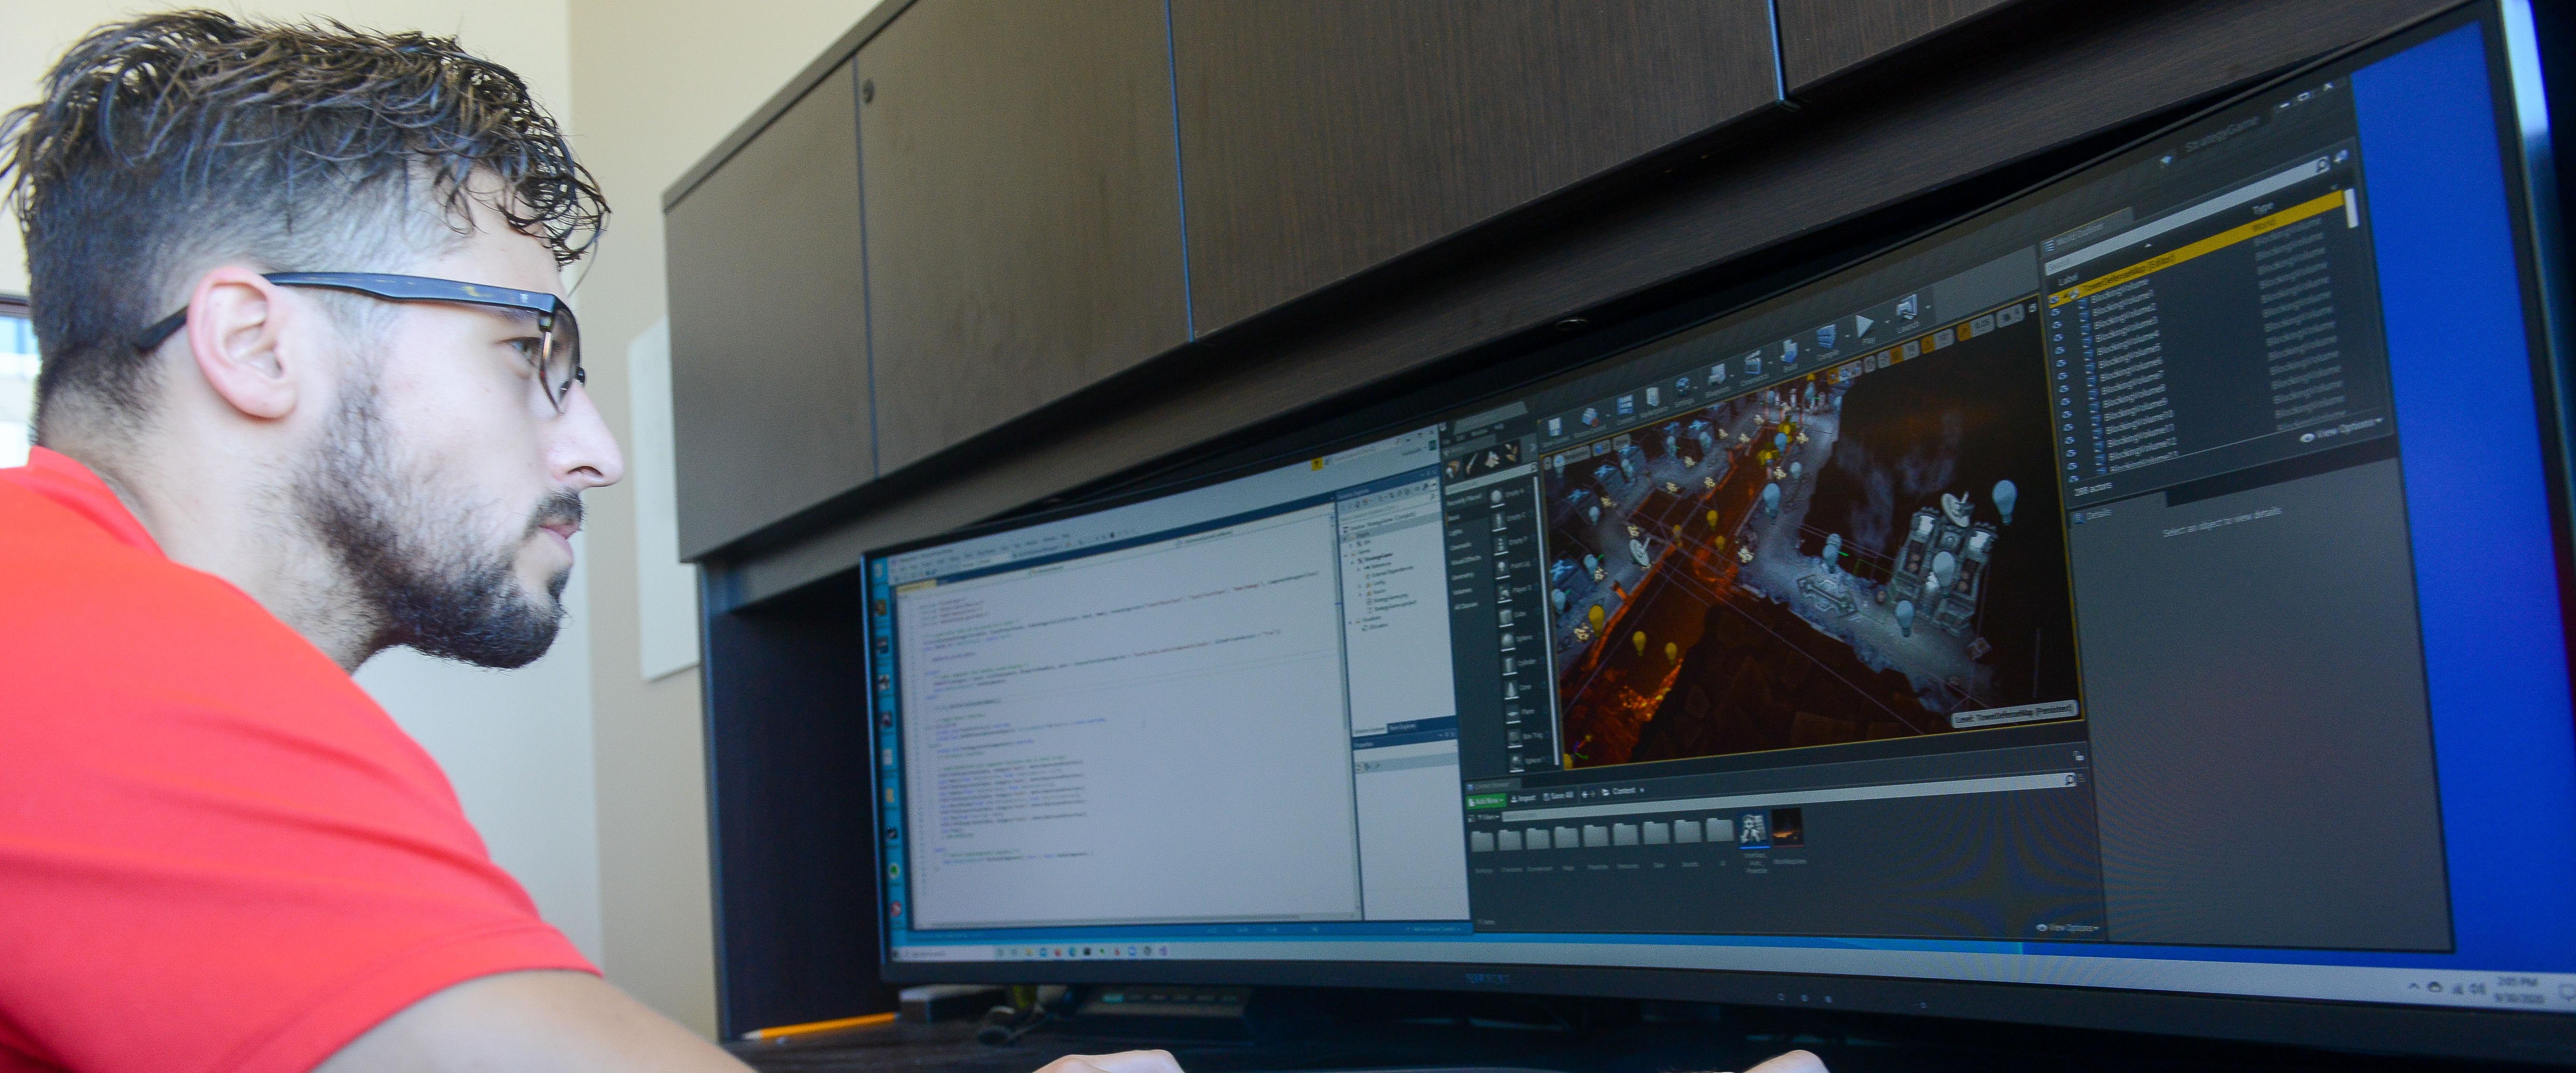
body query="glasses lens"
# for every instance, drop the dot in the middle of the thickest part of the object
(561, 367)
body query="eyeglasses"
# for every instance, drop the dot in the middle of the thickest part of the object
(558, 356)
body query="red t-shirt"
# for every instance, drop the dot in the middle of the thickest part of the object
(216, 853)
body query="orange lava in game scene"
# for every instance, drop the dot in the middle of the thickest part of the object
(1613, 690)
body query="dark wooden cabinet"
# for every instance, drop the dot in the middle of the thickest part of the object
(769, 375)
(1023, 210)
(1027, 167)
(1320, 138)
(1820, 38)
(786, 703)
(1837, 160)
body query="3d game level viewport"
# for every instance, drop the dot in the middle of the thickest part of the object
(1872, 551)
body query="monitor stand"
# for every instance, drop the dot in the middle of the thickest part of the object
(1160, 1011)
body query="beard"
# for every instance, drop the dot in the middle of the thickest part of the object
(419, 562)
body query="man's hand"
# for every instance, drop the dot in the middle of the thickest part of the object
(1121, 1062)
(1161, 1062)
(1792, 1062)
(552, 1021)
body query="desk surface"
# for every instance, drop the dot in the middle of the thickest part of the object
(1650, 1047)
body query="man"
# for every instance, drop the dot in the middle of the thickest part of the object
(309, 392)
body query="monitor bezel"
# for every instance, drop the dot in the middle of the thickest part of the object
(2508, 27)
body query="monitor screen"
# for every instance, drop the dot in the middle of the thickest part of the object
(2154, 583)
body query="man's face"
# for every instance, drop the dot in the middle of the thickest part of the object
(444, 480)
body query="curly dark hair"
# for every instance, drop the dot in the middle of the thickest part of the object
(170, 143)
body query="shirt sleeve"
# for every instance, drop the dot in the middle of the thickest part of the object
(216, 853)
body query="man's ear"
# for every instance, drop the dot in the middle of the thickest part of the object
(237, 323)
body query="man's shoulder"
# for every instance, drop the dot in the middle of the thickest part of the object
(132, 676)
(67, 576)
(207, 818)
(101, 628)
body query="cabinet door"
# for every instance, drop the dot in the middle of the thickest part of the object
(1819, 38)
(1023, 209)
(1320, 138)
(769, 389)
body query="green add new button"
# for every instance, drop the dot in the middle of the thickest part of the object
(1478, 801)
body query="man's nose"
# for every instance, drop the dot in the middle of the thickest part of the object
(582, 452)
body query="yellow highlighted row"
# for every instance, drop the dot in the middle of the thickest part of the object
(2317, 207)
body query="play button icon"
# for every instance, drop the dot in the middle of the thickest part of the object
(1860, 324)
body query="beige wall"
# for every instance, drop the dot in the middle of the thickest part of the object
(661, 82)
(646, 87)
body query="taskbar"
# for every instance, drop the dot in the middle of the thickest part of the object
(2542, 992)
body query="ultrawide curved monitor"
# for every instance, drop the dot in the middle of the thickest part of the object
(2143, 603)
